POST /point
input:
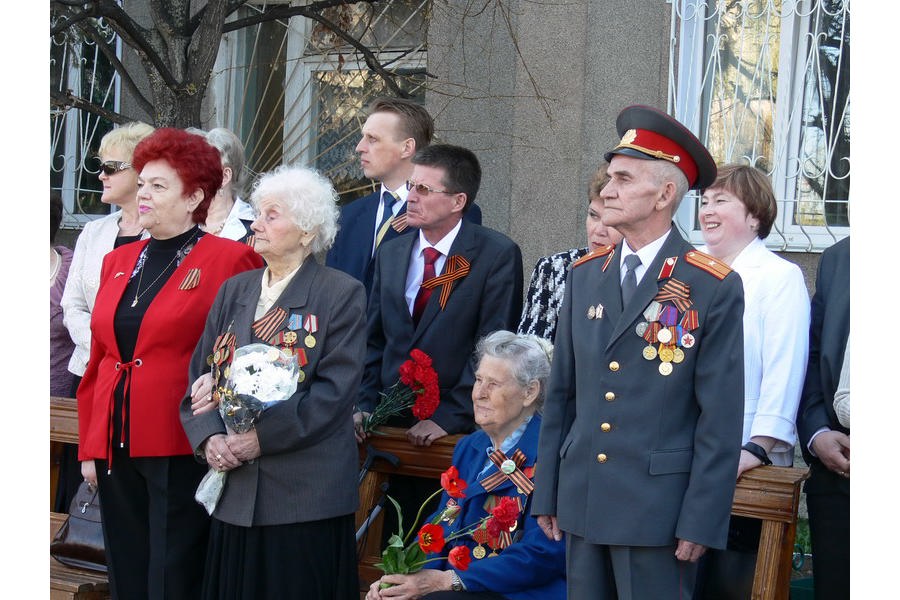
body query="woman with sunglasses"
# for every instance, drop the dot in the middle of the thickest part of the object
(119, 181)
(149, 313)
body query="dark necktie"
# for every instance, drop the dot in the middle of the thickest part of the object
(387, 200)
(431, 255)
(629, 284)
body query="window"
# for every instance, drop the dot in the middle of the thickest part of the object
(294, 90)
(766, 82)
(77, 65)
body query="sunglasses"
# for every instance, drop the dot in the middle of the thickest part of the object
(424, 190)
(111, 167)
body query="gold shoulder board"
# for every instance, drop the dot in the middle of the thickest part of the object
(710, 264)
(592, 255)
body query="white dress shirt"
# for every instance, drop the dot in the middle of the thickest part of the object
(647, 254)
(776, 346)
(417, 262)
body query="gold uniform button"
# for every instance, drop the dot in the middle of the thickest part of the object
(614, 366)
(610, 396)
(601, 458)
(605, 427)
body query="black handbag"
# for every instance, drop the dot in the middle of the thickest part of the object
(79, 542)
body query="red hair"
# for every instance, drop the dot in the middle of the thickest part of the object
(197, 163)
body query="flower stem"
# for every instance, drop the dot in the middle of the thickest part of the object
(419, 514)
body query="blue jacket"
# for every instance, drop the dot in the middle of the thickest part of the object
(532, 567)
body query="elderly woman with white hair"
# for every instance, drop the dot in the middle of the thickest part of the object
(283, 526)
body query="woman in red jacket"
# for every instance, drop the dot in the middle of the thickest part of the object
(149, 313)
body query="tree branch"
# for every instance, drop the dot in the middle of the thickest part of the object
(124, 76)
(66, 100)
(73, 17)
(313, 11)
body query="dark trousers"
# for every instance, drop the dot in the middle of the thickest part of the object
(728, 574)
(828, 504)
(599, 572)
(155, 532)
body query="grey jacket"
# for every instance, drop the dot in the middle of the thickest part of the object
(308, 466)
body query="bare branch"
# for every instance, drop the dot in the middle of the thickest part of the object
(314, 12)
(230, 7)
(66, 100)
(74, 17)
(124, 76)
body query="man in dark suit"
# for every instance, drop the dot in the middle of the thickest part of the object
(481, 291)
(394, 130)
(640, 437)
(825, 443)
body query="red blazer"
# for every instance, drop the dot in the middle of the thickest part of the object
(169, 332)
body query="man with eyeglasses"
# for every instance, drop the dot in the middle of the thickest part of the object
(477, 289)
(394, 130)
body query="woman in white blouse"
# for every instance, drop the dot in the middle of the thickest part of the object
(98, 237)
(736, 214)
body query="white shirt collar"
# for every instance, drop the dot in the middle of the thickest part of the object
(647, 254)
(443, 246)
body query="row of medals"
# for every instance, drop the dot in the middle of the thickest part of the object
(669, 351)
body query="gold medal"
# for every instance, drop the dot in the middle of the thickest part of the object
(665, 368)
(310, 341)
(677, 355)
(227, 372)
(479, 552)
(666, 354)
(300, 375)
(290, 338)
(272, 354)
(649, 352)
(592, 312)
(209, 360)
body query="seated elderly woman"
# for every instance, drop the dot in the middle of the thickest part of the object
(548, 280)
(507, 397)
(283, 526)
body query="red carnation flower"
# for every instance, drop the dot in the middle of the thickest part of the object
(420, 357)
(452, 484)
(503, 516)
(431, 538)
(460, 557)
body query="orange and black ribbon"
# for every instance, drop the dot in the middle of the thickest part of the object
(266, 326)
(515, 475)
(457, 268)
(676, 291)
(191, 280)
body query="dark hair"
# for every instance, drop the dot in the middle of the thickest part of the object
(56, 212)
(415, 122)
(754, 189)
(462, 173)
(197, 163)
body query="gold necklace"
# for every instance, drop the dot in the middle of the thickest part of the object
(137, 291)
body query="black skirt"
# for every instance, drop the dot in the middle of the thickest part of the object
(300, 560)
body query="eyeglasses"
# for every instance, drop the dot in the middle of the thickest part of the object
(111, 167)
(424, 190)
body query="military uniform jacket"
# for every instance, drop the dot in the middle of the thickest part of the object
(630, 456)
(308, 466)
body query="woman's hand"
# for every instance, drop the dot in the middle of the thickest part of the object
(218, 453)
(411, 587)
(245, 446)
(201, 395)
(89, 472)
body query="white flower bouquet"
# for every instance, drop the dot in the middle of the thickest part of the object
(258, 377)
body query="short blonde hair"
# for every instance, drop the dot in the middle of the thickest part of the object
(125, 138)
(308, 195)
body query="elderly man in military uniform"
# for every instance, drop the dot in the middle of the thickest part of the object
(639, 442)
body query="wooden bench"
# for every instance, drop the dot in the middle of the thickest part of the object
(771, 494)
(67, 582)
